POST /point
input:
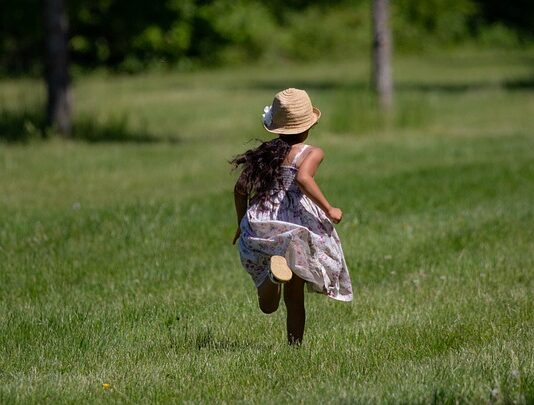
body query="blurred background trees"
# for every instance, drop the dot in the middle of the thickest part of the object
(133, 35)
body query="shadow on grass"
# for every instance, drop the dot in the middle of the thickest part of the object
(183, 334)
(25, 125)
(309, 85)
(205, 339)
(21, 126)
(520, 84)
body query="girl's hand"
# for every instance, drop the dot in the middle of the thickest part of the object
(335, 215)
(237, 234)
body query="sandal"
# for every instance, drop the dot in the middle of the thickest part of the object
(280, 273)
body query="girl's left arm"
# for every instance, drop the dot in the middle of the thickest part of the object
(306, 181)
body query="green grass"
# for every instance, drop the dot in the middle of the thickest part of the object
(116, 264)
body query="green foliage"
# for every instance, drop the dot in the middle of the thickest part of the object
(319, 33)
(498, 35)
(21, 33)
(517, 14)
(420, 24)
(130, 35)
(135, 35)
(245, 30)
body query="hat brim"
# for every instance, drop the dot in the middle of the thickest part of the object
(295, 130)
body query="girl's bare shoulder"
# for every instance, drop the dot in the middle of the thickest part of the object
(315, 151)
(313, 156)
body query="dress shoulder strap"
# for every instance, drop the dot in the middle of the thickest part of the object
(299, 154)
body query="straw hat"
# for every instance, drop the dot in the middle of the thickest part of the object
(291, 113)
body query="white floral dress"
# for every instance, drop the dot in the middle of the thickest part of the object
(289, 224)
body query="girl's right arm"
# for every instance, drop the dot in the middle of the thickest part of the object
(241, 202)
(306, 181)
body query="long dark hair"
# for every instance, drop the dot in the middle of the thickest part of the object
(261, 166)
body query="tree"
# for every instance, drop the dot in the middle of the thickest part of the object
(59, 104)
(381, 64)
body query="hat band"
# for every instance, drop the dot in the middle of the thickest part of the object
(295, 126)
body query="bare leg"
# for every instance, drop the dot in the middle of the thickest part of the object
(269, 296)
(296, 314)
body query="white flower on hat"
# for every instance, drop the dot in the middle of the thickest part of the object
(267, 115)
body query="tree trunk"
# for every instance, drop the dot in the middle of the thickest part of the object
(381, 69)
(59, 106)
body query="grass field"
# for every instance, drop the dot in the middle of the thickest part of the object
(116, 263)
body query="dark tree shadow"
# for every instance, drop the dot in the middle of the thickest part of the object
(329, 85)
(432, 87)
(450, 88)
(325, 85)
(21, 126)
(115, 129)
(520, 84)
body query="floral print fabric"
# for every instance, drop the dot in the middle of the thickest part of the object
(289, 224)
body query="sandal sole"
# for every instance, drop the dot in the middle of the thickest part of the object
(280, 269)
